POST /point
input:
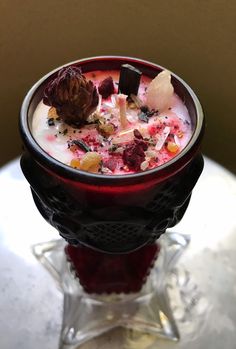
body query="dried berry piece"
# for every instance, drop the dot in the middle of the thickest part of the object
(106, 87)
(133, 154)
(72, 95)
(129, 80)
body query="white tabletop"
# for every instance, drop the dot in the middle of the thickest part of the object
(31, 304)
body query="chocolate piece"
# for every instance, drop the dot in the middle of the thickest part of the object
(129, 80)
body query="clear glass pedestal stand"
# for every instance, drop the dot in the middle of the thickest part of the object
(86, 316)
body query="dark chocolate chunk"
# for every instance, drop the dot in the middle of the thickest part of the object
(129, 80)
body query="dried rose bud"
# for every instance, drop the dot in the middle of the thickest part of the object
(134, 155)
(106, 87)
(72, 95)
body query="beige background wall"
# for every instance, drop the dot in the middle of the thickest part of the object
(194, 38)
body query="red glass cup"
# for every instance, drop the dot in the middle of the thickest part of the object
(112, 218)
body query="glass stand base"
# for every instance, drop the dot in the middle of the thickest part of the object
(86, 316)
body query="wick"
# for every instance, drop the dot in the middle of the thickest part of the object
(121, 101)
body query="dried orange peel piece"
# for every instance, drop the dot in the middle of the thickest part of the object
(90, 162)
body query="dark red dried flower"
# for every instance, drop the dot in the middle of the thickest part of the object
(134, 155)
(72, 95)
(106, 87)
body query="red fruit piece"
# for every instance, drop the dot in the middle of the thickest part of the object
(106, 87)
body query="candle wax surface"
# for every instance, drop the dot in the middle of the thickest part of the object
(166, 133)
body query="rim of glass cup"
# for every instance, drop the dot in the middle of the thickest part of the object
(68, 172)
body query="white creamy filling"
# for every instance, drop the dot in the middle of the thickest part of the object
(54, 139)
